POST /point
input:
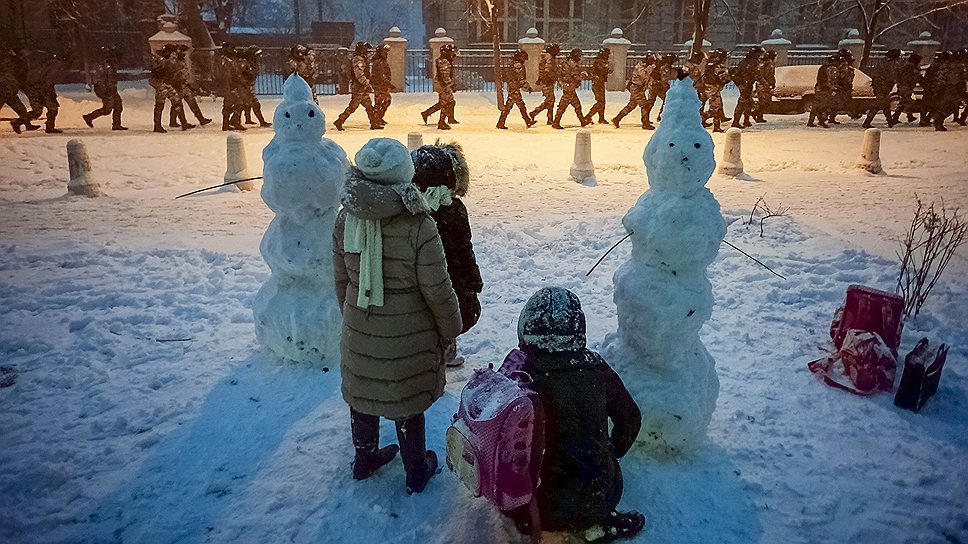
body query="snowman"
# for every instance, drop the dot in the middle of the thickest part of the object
(661, 293)
(296, 313)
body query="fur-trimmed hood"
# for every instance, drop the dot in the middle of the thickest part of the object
(367, 199)
(441, 165)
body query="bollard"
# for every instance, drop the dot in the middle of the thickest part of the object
(414, 140)
(82, 182)
(237, 167)
(870, 155)
(583, 170)
(732, 163)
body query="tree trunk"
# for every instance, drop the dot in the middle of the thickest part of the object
(700, 14)
(296, 19)
(496, 37)
(191, 16)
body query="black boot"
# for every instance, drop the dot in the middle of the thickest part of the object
(159, 110)
(419, 463)
(49, 127)
(366, 439)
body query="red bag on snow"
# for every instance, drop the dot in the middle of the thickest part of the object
(871, 310)
(864, 365)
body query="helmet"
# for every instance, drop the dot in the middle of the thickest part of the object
(893, 54)
(362, 48)
(914, 58)
(651, 58)
(520, 55)
(552, 321)
(756, 51)
(575, 53)
(383, 50)
(604, 52)
(697, 56)
(845, 55)
(670, 57)
(447, 50)
(771, 54)
(553, 48)
(166, 50)
(717, 54)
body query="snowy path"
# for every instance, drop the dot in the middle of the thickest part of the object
(110, 435)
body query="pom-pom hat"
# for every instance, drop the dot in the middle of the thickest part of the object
(385, 161)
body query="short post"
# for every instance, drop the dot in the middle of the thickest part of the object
(854, 44)
(870, 155)
(732, 163)
(780, 45)
(925, 47)
(397, 57)
(618, 48)
(81, 182)
(533, 46)
(440, 38)
(414, 140)
(237, 167)
(583, 170)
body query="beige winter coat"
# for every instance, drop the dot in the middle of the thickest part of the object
(392, 363)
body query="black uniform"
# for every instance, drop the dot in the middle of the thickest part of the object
(908, 77)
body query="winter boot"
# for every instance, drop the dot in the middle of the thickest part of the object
(366, 439)
(419, 463)
(89, 118)
(248, 116)
(617, 525)
(185, 125)
(338, 123)
(503, 118)
(158, 111)
(717, 125)
(442, 124)
(49, 126)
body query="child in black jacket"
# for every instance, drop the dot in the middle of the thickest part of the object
(441, 175)
(580, 481)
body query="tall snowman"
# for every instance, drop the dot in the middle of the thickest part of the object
(661, 293)
(296, 312)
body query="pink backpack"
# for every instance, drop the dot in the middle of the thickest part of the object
(496, 441)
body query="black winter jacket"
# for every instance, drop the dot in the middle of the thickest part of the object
(455, 233)
(580, 478)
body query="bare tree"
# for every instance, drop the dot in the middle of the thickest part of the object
(930, 242)
(875, 18)
(190, 14)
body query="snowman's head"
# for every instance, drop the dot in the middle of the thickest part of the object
(298, 118)
(679, 157)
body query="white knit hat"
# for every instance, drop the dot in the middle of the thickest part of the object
(385, 161)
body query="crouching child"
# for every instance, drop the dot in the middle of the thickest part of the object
(580, 482)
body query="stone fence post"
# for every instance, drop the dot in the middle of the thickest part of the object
(925, 46)
(854, 44)
(780, 45)
(397, 57)
(618, 48)
(533, 46)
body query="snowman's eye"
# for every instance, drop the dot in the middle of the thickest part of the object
(671, 144)
(697, 146)
(312, 113)
(287, 115)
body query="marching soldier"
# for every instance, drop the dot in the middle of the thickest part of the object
(885, 78)
(601, 68)
(822, 94)
(961, 58)
(908, 76)
(843, 87)
(184, 86)
(716, 77)
(745, 77)
(344, 70)
(517, 78)
(637, 85)
(695, 67)
(945, 94)
(106, 88)
(765, 83)
(662, 76)
(547, 77)
(571, 78)
(9, 85)
(40, 91)
(302, 61)
(382, 84)
(444, 84)
(248, 73)
(360, 88)
(229, 77)
(159, 68)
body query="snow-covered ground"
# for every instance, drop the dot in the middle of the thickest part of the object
(142, 409)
